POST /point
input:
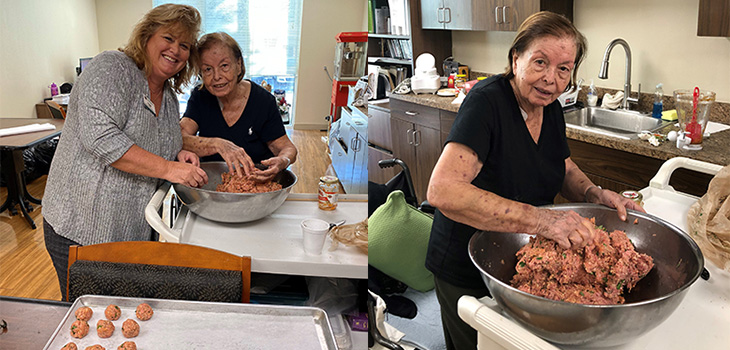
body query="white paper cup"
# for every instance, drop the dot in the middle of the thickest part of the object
(314, 232)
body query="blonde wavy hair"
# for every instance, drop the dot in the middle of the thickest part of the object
(181, 20)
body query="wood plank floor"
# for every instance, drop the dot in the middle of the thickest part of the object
(25, 266)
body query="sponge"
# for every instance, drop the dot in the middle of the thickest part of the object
(670, 115)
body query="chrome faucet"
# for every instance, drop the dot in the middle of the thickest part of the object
(627, 81)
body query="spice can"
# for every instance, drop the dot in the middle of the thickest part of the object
(329, 188)
(634, 196)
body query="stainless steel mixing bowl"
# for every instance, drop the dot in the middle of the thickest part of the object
(678, 262)
(232, 207)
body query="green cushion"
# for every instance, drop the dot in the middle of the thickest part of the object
(397, 239)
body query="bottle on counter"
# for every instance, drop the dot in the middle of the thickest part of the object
(592, 95)
(656, 112)
(328, 191)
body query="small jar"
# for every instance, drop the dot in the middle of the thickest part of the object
(459, 82)
(634, 196)
(328, 190)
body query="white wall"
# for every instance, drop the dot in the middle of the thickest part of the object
(41, 43)
(321, 21)
(116, 20)
(662, 35)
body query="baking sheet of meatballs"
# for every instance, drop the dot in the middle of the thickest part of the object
(170, 324)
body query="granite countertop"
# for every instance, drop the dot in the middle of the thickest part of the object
(715, 148)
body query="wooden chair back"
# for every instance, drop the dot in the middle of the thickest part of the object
(166, 254)
(56, 110)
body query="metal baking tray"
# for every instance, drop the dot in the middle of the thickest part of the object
(179, 324)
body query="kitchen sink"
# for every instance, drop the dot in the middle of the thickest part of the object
(617, 123)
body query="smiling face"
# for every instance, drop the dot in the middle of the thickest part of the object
(543, 70)
(219, 69)
(168, 52)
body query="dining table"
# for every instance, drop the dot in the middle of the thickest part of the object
(12, 163)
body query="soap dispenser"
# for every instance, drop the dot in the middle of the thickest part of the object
(592, 95)
(656, 112)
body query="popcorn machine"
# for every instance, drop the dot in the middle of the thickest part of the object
(350, 62)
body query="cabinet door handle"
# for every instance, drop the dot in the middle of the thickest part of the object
(409, 133)
(497, 18)
(449, 10)
(505, 19)
(439, 11)
(411, 113)
(417, 138)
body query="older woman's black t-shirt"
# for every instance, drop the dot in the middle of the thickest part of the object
(259, 123)
(515, 167)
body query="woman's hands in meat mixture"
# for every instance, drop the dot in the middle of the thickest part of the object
(236, 158)
(274, 166)
(566, 227)
(186, 174)
(613, 200)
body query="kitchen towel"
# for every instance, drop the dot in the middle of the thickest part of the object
(26, 129)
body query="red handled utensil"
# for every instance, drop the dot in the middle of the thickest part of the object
(693, 127)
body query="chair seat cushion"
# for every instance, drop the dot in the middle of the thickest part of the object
(398, 237)
(154, 281)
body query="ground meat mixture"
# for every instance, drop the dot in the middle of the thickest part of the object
(79, 329)
(84, 313)
(104, 328)
(130, 328)
(144, 312)
(243, 184)
(70, 346)
(597, 274)
(95, 347)
(127, 345)
(112, 312)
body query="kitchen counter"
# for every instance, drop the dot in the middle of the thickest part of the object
(715, 148)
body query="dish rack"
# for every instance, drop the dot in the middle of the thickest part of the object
(703, 310)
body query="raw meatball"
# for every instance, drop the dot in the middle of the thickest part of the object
(112, 312)
(144, 312)
(70, 346)
(130, 328)
(127, 345)
(95, 347)
(84, 313)
(79, 329)
(104, 328)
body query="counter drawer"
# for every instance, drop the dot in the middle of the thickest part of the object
(414, 113)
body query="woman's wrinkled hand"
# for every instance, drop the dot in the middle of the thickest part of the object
(613, 200)
(188, 157)
(274, 166)
(236, 158)
(186, 174)
(566, 227)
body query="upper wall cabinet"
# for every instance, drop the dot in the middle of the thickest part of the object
(714, 18)
(498, 15)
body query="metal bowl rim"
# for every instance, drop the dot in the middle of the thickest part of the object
(234, 194)
(700, 260)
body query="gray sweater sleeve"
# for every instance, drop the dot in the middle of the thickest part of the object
(103, 107)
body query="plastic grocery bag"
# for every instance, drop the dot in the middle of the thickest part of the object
(709, 220)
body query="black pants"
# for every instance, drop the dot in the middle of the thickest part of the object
(458, 334)
(57, 247)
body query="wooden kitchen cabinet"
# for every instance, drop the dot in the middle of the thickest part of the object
(379, 127)
(497, 15)
(376, 173)
(416, 140)
(619, 170)
(713, 18)
(453, 14)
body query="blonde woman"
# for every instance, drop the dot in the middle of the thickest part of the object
(122, 138)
